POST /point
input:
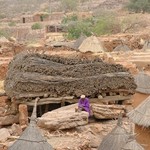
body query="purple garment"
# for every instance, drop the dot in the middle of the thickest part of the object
(84, 104)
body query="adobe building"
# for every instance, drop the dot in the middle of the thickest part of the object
(41, 16)
(26, 19)
(54, 28)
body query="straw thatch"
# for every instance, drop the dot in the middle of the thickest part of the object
(116, 139)
(132, 144)
(79, 41)
(146, 46)
(91, 44)
(122, 48)
(142, 80)
(141, 114)
(57, 76)
(31, 139)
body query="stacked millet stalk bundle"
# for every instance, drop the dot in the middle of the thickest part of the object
(57, 76)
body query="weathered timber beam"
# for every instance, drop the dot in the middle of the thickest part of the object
(115, 98)
(71, 100)
(31, 103)
(44, 101)
(30, 95)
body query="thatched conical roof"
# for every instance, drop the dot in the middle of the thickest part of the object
(91, 44)
(79, 41)
(116, 139)
(132, 144)
(31, 139)
(122, 47)
(142, 80)
(141, 114)
(146, 46)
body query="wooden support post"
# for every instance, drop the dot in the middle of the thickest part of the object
(46, 108)
(40, 108)
(62, 102)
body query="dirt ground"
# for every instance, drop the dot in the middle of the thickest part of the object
(87, 137)
(94, 132)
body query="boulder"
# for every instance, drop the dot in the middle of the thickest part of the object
(4, 134)
(2, 111)
(16, 130)
(9, 120)
(63, 118)
(3, 101)
(3, 146)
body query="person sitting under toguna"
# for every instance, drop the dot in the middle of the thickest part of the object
(83, 104)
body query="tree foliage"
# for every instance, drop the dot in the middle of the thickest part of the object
(106, 24)
(75, 26)
(78, 28)
(36, 26)
(139, 6)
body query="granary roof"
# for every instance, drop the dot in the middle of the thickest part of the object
(132, 144)
(91, 44)
(31, 139)
(116, 139)
(142, 80)
(141, 114)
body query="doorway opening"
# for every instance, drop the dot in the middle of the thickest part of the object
(23, 20)
(41, 109)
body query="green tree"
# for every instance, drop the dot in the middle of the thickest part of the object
(68, 19)
(36, 26)
(75, 29)
(106, 25)
(75, 26)
(139, 6)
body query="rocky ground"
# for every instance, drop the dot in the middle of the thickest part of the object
(85, 136)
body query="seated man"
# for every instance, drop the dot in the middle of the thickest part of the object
(83, 104)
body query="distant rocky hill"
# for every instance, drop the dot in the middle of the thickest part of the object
(9, 8)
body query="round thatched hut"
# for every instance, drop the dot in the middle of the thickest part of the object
(79, 41)
(141, 113)
(116, 139)
(91, 44)
(132, 144)
(31, 139)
